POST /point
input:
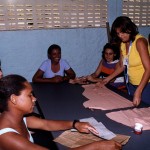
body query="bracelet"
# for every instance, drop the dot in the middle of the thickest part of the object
(73, 124)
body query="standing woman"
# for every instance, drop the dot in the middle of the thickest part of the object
(54, 69)
(135, 54)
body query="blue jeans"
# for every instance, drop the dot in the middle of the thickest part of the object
(145, 94)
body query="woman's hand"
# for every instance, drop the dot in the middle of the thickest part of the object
(93, 79)
(85, 127)
(58, 79)
(90, 78)
(99, 84)
(136, 98)
(106, 80)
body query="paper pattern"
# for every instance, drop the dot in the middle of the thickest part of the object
(76, 139)
(101, 129)
(132, 116)
(103, 98)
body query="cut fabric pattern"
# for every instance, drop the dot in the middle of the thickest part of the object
(103, 98)
(132, 116)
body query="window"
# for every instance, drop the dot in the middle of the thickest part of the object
(138, 11)
(39, 14)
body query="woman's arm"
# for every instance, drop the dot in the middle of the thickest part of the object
(18, 142)
(52, 125)
(70, 74)
(98, 70)
(94, 76)
(55, 125)
(14, 141)
(142, 47)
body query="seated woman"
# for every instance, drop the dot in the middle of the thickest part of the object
(16, 101)
(54, 69)
(108, 64)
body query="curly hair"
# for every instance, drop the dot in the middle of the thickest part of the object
(114, 48)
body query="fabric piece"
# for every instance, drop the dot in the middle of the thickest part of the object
(103, 98)
(132, 116)
(76, 139)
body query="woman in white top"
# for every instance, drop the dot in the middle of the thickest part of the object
(54, 69)
(16, 100)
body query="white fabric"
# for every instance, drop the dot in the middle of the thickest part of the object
(5, 130)
(119, 80)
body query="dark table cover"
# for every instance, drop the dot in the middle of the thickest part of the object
(64, 101)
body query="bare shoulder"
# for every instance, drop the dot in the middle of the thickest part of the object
(142, 45)
(17, 142)
(142, 41)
